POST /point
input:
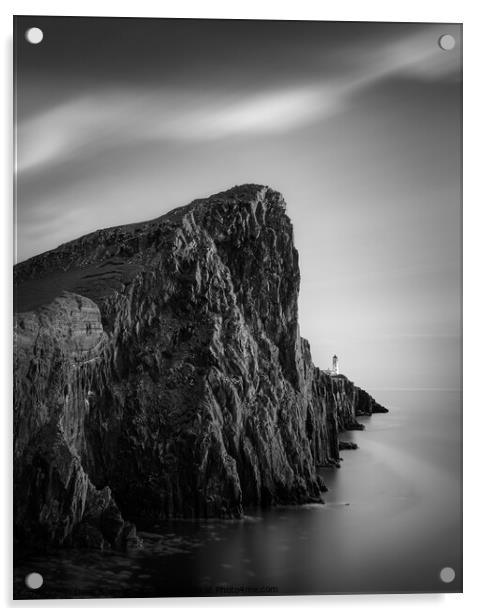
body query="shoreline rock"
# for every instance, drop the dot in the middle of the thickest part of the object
(347, 445)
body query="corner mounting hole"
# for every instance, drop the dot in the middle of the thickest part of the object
(446, 42)
(447, 575)
(34, 35)
(34, 581)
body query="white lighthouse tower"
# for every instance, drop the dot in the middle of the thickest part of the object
(335, 368)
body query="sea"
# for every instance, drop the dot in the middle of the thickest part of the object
(391, 523)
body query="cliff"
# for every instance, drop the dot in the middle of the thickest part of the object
(159, 372)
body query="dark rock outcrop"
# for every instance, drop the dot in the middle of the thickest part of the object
(366, 405)
(347, 445)
(159, 372)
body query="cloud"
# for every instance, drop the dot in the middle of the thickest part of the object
(260, 113)
(417, 56)
(106, 119)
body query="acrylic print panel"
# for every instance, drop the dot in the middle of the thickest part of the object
(237, 308)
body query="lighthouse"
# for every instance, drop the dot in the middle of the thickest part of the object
(334, 369)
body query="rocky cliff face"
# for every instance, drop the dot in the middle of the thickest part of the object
(159, 372)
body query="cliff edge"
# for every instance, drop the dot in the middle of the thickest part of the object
(159, 372)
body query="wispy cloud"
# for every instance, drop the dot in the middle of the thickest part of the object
(105, 119)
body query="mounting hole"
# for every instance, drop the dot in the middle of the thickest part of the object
(34, 35)
(447, 575)
(446, 42)
(34, 581)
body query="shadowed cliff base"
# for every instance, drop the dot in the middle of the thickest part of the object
(159, 372)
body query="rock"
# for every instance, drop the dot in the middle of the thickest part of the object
(159, 372)
(347, 445)
(88, 536)
(366, 405)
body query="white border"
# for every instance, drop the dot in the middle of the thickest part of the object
(465, 11)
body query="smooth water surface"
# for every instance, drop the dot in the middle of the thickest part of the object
(391, 522)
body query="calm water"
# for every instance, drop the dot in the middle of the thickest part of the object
(391, 522)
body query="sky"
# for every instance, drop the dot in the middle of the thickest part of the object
(358, 125)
